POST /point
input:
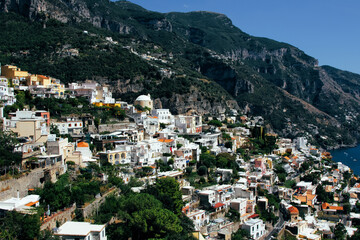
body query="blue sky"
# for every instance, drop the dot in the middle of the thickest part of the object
(327, 30)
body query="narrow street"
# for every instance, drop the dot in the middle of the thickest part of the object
(278, 226)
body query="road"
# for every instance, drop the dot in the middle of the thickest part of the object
(278, 226)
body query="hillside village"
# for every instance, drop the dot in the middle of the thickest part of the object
(236, 180)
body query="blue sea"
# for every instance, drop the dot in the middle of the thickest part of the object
(349, 157)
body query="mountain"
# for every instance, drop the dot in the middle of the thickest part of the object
(197, 61)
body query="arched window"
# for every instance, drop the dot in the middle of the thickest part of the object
(123, 155)
(117, 156)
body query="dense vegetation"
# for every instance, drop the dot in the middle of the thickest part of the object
(8, 158)
(155, 213)
(43, 51)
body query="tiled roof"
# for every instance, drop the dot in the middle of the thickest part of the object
(293, 210)
(218, 205)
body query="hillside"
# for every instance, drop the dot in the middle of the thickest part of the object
(188, 61)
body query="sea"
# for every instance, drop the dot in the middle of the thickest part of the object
(349, 157)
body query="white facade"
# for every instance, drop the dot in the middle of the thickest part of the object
(239, 204)
(180, 163)
(81, 230)
(210, 140)
(7, 94)
(93, 91)
(199, 218)
(151, 125)
(71, 126)
(145, 153)
(255, 227)
(163, 115)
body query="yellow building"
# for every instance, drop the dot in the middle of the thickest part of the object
(31, 80)
(114, 157)
(31, 128)
(13, 72)
(112, 105)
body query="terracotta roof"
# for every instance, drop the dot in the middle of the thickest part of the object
(293, 210)
(166, 140)
(82, 144)
(31, 204)
(42, 76)
(253, 216)
(219, 204)
(327, 206)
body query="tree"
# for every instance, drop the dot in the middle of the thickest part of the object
(226, 160)
(154, 222)
(233, 215)
(143, 217)
(340, 231)
(167, 190)
(7, 146)
(20, 226)
(304, 167)
(228, 144)
(241, 234)
(202, 170)
(208, 159)
(324, 196)
(215, 123)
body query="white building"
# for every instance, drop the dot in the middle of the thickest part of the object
(188, 124)
(255, 227)
(163, 115)
(145, 153)
(72, 126)
(7, 94)
(92, 91)
(198, 217)
(210, 140)
(81, 230)
(24, 205)
(151, 125)
(239, 204)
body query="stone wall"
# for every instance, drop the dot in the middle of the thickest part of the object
(115, 127)
(9, 188)
(90, 209)
(59, 217)
(33, 179)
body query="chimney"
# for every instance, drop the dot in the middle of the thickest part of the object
(1, 112)
(18, 195)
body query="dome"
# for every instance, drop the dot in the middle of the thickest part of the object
(82, 144)
(143, 98)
